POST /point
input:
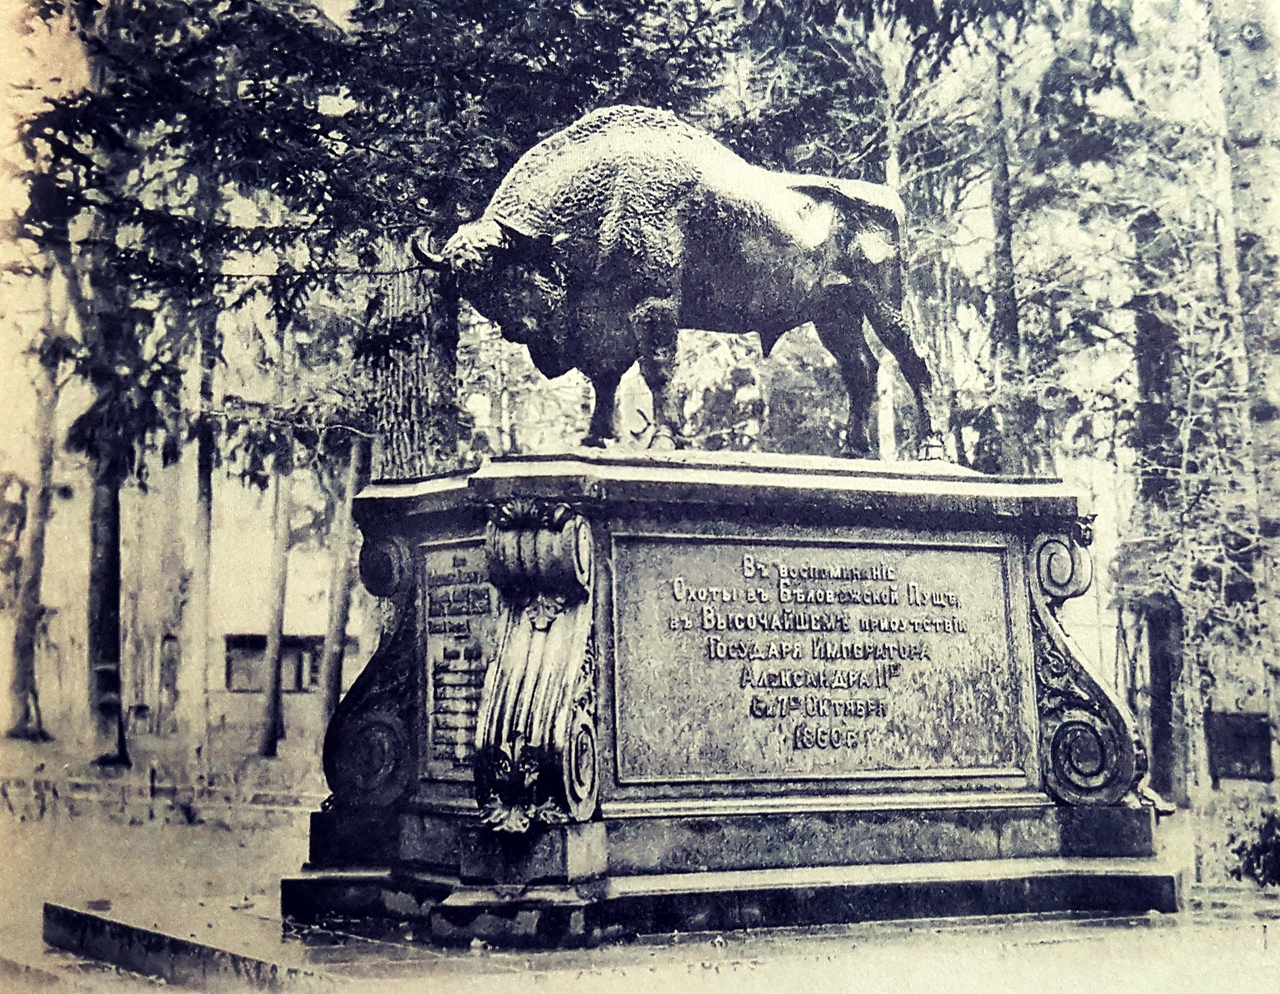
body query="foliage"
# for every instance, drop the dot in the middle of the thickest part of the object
(1196, 525)
(825, 88)
(719, 391)
(1126, 346)
(258, 158)
(149, 185)
(1259, 855)
(806, 395)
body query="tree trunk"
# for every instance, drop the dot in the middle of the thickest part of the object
(892, 54)
(273, 705)
(887, 373)
(200, 600)
(417, 389)
(1009, 445)
(1156, 350)
(1247, 41)
(203, 646)
(27, 721)
(1009, 453)
(105, 695)
(442, 358)
(105, 686)
(341, 578)
(273, 729)
(1004, 295)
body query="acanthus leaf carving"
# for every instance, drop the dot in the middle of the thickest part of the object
(536, 758)
(530, 513)
(543, 609)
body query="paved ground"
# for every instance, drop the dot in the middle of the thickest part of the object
(79, 846)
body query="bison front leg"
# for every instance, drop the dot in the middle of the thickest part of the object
(605, 382)
(655, 324)
(858, 366)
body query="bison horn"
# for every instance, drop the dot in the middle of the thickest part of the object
(428, 258)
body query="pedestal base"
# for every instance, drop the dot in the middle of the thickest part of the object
(689, 842)
(619, 908)
(625, 694)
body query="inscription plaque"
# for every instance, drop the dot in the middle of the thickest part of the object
(740, 659)
(461, 622)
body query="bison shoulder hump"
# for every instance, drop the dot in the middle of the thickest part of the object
(634, 160)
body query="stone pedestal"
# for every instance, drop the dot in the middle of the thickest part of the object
(626, 694)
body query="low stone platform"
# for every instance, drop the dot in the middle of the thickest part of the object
(213, 948)
(242, 951)
(623, 907)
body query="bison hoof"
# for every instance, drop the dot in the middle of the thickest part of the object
(594, 442)
(663, 440)
(932, 449)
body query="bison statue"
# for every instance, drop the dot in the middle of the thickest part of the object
(607, 237)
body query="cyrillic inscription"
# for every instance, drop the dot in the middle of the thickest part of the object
(753, 660)
(460, 608)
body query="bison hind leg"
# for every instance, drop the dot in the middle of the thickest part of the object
(605, 384)
(888, 322)
(858, 365)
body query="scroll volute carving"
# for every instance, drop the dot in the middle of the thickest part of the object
(1090, 749)
(536, 754)
(370, 745)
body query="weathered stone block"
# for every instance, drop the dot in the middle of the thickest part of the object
(546, 854)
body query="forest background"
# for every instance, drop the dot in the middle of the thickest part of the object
(208, 265)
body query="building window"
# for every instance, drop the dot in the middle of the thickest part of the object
(246, 668)
(1239, 746)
